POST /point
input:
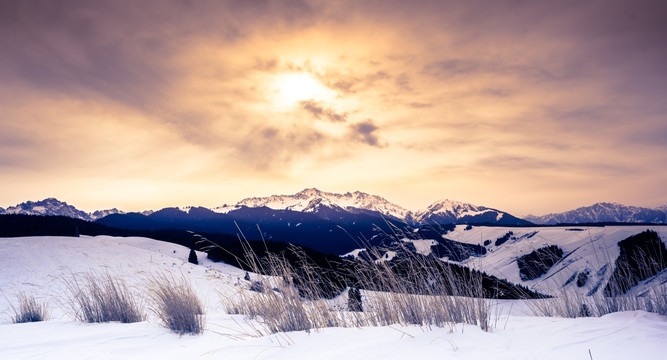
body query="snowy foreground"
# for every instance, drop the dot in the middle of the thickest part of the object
(39, 266)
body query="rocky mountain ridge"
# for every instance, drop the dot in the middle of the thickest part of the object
(440, 212)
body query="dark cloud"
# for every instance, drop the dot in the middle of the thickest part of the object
(403, 82)
(73, 47)
(321, 112)
(648, 137)
(518, 163)
(467, 69)
(124, 50)
(353, 83)
(453, 67)
(366, 132)
(564, 165)
(420, 105)
(496, 92)
(271, 149)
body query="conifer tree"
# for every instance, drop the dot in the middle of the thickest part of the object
(193, 257)
(354, 300)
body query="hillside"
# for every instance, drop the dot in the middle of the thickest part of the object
(591, 250)
(38, 264)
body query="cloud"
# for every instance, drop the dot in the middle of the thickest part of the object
(366, 132)
(420, 105)
(321, 112)
(507, 86)
(352, 82)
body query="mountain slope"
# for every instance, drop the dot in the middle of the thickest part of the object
(330, 230)
(602, 212)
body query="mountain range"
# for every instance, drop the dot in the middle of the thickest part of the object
(336, 207)
(604, 212)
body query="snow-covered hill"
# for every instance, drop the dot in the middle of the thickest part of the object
(38, 265)
(586, 250)
(588, 253)
(603, 212)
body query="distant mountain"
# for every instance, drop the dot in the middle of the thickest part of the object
(102, 213)
(603, 212)
(454, 212)
(54, 207)
(321, 203)
(329, 230)
(339, 208)
(348, 208)
(314, 200)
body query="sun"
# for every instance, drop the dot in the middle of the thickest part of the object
(293, 88)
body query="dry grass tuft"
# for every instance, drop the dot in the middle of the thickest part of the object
(176, 304)
(96, 298)
(29, 310)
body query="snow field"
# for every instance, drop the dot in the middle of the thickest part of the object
(585, 248)
(37, 265)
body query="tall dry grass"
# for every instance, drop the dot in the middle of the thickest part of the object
(99, 297)
(176, 304)
(282, 306)
(416, 291)
(423, 291)
(28, 309)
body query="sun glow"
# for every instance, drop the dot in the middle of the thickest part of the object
(296, 87)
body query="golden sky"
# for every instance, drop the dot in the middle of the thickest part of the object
(525, 106)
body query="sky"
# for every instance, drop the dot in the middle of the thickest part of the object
(525, 106)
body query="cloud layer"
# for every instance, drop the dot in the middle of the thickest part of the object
(525, 106)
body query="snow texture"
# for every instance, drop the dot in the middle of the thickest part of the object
(37, 265)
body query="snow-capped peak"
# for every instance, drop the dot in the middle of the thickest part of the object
(185, 209)
(55, 207)
(449, 211)
(98, 214)
(224, 209)
(451, 207)
(603, 212)
(309, 200)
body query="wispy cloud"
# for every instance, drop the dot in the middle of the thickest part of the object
(322, 112)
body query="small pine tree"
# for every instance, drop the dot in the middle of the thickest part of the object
(246, 277)
(192, 258)
(354, 300)
(584, 311)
